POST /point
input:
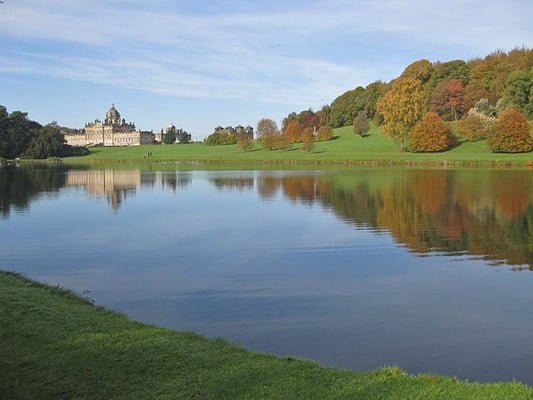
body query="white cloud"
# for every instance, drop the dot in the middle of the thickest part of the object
(282, 54)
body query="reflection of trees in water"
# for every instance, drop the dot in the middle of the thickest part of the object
(239, 183)
(19, 184)
(487, 214)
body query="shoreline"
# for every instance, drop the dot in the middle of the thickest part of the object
(60, 345)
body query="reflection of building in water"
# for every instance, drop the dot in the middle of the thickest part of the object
(114, 185)
(117, 185)
(114, 131)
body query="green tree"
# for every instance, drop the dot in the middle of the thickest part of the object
(371, 96)
(16, 133)
(519, 91)
(170, 136)
(49, 142)
(345, 107)
(361, 124)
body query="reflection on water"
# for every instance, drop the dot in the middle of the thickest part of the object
(354, 269)
(486, 214)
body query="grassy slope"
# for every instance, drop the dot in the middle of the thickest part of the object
(57, 346)
(345, 147)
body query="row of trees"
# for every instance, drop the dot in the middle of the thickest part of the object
(22, 137)
(295, 130)
(471, 94)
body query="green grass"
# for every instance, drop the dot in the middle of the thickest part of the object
(55, 345)
(344, 148)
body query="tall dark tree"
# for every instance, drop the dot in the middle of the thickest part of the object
(49, 142)
(16, 133)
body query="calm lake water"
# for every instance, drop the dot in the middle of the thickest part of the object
(428, 270)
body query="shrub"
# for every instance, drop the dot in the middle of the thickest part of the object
(511, 133)
(361, 124)
(220, 138)
(245, 142)
(293, 132)
(325, 133)
(472, 128)
(308, 139)
(274, 141)
(430, 134)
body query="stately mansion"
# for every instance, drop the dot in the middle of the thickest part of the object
(114, 131)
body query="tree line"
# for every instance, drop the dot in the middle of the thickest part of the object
(22, 137)
(489, 97)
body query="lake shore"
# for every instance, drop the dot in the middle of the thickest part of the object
(58, 345)
(345, 149)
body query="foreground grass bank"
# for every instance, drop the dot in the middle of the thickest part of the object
(345, 148)
(58, 346)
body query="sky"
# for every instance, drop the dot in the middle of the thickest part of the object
(199, 64)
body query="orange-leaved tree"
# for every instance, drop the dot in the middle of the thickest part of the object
(511, 133)
(449, 99)
(293, 131)
(308, 139)
(430, 134)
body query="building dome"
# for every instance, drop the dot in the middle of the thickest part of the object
(112, 116)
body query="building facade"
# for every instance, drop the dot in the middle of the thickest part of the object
(114, 131)
(238, 130)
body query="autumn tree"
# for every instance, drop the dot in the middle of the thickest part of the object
(361, 124)
(308, 139)
(401, 108)
(430, 134)
(266, 127)
(448, 99)
(293, 131)
(325, 132)
(245, 142)
(471, 128)
(511, 133)
(420, 70)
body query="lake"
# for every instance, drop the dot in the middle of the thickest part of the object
(430, 270)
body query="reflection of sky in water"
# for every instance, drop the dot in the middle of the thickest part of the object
(278, 275)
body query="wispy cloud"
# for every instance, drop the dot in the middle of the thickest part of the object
(281, 52)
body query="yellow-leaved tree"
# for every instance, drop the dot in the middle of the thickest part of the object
(401, 107)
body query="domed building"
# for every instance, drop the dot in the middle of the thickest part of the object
(114, 131)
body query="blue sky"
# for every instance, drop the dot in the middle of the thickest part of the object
(199, 64)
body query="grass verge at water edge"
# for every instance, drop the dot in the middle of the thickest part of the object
(56, 345)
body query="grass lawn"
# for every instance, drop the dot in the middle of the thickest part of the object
(55, 345)
(345, 147)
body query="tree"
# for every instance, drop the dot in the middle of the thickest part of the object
(266, 127)
(420, 70)
(170, 136)
(519, 91)
(401, 108)
(471, 127)
(345, 107)
(430, 134)
(449, 99)
(325, 133)
(308, 139)
(293, 131)
(183, 137)
(16, 133)
(511, 133)
(49, 142)
(245, 142)
(361, 124)
(370, 98)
